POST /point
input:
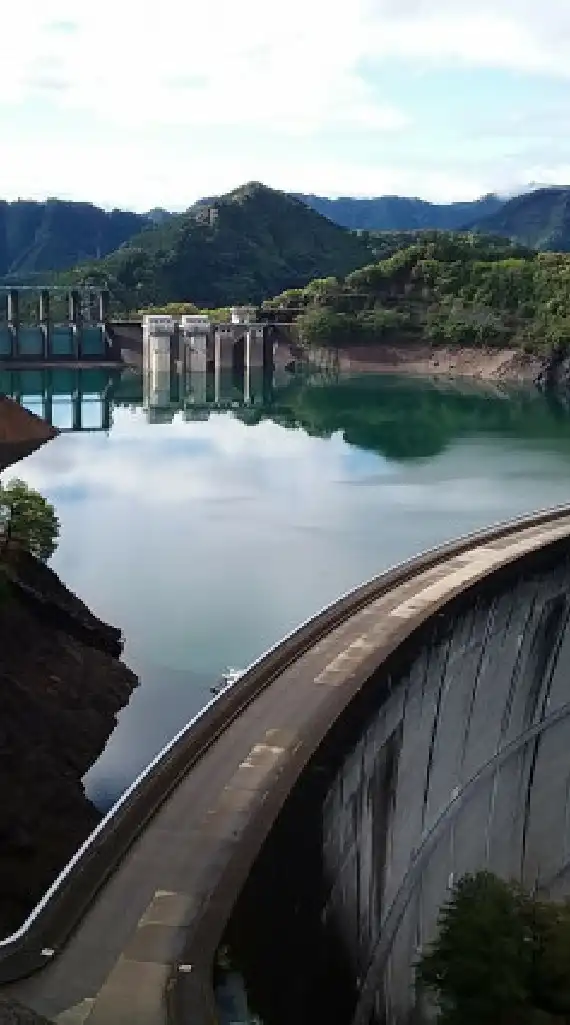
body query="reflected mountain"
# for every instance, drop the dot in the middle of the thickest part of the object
(400, 418)
(405, 419)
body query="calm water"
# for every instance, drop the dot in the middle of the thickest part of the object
(207, 535)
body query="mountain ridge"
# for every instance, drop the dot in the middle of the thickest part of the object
(240, 247)
(55, 234)
(227, 248)
(400, 213)
(539, 219)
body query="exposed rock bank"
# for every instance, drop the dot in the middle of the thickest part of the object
(61, 687)
(486, 364)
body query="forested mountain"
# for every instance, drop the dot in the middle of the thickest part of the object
(251, 243)
(237, 248)
(540, 219)
(400, 213)
(49, 236)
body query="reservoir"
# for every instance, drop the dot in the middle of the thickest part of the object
(206, 534)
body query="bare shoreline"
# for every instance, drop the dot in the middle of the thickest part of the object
(484, 364)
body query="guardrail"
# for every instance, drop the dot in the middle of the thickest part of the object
(50, 923)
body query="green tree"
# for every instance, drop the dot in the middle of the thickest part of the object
(30, 519)
(322, 326)
(500, 957)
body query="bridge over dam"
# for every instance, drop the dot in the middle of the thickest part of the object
(313, 817)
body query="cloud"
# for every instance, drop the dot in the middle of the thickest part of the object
(318, 97)
(250, 65)
(256, 65)
(519, 35)
(66, 26)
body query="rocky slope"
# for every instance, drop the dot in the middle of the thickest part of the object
(61, 687)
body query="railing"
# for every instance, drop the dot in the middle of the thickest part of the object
(48, 926)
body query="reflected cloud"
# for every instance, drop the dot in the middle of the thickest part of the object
(208, 540)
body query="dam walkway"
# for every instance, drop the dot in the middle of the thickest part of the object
(130, 931)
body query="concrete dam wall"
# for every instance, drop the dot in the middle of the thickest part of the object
(312, 818)
(455, 756)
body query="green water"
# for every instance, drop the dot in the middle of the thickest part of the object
(207, 535)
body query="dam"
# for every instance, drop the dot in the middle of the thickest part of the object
(313, 818)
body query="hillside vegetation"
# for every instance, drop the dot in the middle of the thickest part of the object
(462, 289)
(275, 248)
(39, 237)
(238, 248)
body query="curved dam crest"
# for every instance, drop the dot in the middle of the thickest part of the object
(456, 760)
(314, 817)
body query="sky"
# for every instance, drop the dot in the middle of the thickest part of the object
(156, 105)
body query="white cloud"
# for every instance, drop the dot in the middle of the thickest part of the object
(134, 173)
(150, 93)
(256, 65)
(249, 64)
(520, 35)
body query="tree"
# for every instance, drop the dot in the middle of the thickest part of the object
(30, 519)
(322, 326)
(501, 956)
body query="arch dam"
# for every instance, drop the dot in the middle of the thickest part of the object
(313, 817)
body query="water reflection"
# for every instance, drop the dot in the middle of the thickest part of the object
(209, 528)
(68, 398)
(82, 399)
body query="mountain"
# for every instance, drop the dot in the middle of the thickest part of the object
(56, 234)
(158, 215)
(539, 219)
(399, 213)
(237, 248)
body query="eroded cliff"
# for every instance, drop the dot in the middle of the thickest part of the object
(61, 687)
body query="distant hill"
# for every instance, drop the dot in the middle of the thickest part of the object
(399, 213)
(255, 241)
(158, 215)
(539, 219)
(50, 236)
(242, 247)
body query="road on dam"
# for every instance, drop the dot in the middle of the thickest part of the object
(143, 948)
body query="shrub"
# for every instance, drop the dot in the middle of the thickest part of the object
(500, 956)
